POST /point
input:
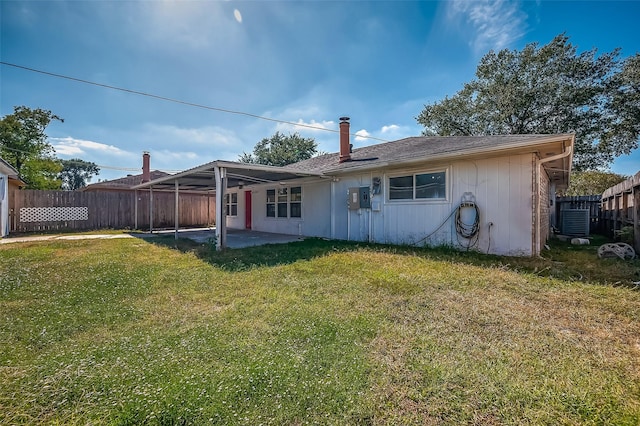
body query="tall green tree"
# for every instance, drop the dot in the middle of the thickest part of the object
(76, 173)
(280, 150)
(592, 182)
(24, 145)
(549, 89)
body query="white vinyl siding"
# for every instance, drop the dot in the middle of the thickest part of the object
(502, 188)
(313, 200)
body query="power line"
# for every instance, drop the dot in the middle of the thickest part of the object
(164, 98)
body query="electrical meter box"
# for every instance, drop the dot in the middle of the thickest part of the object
(359, 198)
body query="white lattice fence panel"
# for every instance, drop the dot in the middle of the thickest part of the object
(53, 214)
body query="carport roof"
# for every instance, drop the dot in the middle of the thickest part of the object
(202, 178)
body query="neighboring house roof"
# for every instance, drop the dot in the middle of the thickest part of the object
(7, 169)
(127, 182)
(424, 148)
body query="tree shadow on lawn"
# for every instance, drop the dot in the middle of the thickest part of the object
(242, 259)
(562, 260)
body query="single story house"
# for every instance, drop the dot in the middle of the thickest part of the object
(493, 194)
(9, 182)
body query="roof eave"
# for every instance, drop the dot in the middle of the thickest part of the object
(511, 147)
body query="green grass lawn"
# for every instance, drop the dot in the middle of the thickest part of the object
(318, 332)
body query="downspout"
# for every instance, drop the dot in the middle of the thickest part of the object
(539, 164)
(371, 207)
(332, 206)
(4, 227)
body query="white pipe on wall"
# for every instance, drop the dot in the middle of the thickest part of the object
(332, 210)
(539, 164)
(371, 207)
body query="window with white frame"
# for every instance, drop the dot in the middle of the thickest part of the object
(284, 202)
(418, 186)
(231, 204)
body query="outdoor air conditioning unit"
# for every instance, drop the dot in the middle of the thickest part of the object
(575, 222)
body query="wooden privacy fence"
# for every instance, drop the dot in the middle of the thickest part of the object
(621, 208)
(33, 210)
(582, 202)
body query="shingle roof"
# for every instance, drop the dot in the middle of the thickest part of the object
(125, 182)
(7, 168)
(419, 148)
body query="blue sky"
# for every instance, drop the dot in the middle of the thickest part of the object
(307, 62)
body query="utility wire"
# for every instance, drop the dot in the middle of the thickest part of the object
(164, 98)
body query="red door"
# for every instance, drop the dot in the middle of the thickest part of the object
(247, 209)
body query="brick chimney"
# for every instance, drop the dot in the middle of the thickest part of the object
(146, 172)
(345, 146)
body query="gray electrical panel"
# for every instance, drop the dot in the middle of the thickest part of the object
(365, 197)
(354, 198)
(359, 198)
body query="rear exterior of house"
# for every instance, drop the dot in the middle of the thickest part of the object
(502, 189)
(490, 194)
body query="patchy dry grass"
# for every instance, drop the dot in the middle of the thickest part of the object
(318, 332)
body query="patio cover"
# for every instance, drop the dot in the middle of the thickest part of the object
(218, 176)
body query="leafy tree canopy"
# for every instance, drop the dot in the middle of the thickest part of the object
(76, 173)
(42, 173)
(24, 145)
(592, 182)
(549, 89)
(280, 150)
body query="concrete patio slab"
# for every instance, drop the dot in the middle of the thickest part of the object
(236, 238)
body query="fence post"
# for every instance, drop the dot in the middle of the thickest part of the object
(636, 217)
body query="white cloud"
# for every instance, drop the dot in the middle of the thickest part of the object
(180, 148)
(172, 148)
(173, 161)
(71, 146)
(395, 132)
(208, 136)
(389, 128)
(362, 135)
(496, 24)
(306, 126)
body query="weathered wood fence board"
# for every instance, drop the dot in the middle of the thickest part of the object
(590, 202)
(33, 210)
(621, 208)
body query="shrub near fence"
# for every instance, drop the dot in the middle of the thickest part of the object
(33, 210)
